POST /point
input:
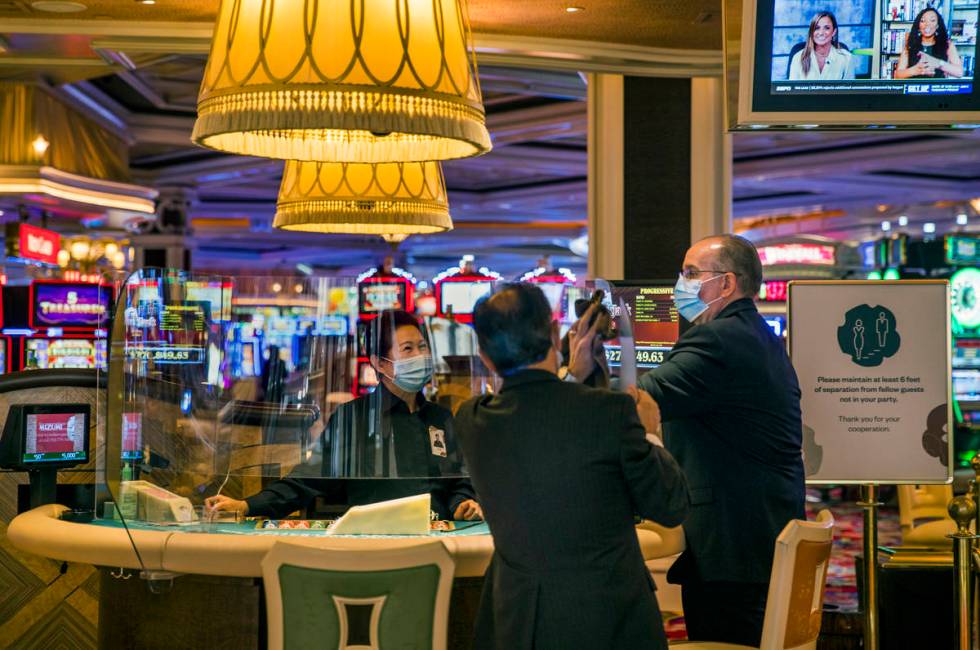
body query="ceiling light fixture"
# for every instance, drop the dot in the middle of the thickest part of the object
(358, 198)
(903, 221)
(348, 81)
(394, 239)
(40, 145)
(574, 10)
(886, 226)
(928, 227)
(58, 6)
(962, 219)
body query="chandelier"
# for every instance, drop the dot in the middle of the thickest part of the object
(343, 80)
(369, 199)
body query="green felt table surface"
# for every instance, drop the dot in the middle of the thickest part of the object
(465, 528)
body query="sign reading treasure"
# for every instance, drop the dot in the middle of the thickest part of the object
(69, 305)
(873, 361)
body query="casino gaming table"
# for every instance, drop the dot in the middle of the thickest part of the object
(205, 588)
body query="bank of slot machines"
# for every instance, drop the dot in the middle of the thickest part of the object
(6, 344)
(772, 305)
(56, 324)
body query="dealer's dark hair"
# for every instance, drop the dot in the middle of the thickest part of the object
(738, 255)
(513, 326)
(381, 331)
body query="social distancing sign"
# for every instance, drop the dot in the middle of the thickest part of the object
(873, 362)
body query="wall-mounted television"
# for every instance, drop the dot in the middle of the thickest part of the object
(851, 63)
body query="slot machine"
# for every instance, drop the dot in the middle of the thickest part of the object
(377, 291)
(68, 324)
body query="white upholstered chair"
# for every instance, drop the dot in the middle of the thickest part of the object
(796, 589)
(923, 516)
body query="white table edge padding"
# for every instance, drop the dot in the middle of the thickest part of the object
(41, 532)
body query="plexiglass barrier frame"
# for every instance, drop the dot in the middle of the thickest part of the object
(278, 392)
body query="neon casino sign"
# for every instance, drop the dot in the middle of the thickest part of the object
(806, 254)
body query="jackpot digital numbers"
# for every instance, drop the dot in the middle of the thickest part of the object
(645, 357)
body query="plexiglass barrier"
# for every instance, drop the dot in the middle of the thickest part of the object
(249, 396)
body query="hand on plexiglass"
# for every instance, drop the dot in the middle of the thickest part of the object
(221, 502)
(582, 341)
(468, 511)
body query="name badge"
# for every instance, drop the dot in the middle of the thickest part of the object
(437, 441)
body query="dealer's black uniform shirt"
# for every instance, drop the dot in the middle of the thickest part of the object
(375, 436)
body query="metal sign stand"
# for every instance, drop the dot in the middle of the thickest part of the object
(869, 502)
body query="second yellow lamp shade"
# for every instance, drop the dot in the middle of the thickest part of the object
(390, 199)
(342, 80)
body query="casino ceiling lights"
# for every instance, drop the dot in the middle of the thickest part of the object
(342, 80)
(388, 199)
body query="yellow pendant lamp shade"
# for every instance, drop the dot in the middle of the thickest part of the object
(367, 199)
(342, 80)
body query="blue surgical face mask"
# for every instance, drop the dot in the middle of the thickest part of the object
(413, 373)
(687, 297)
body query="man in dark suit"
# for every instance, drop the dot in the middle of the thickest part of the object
(561, 470)
(730, 405)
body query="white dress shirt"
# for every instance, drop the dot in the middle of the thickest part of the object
(837, 66)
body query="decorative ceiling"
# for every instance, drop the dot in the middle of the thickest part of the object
(524, 199)
(692, 24)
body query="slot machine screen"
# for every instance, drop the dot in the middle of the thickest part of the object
(132, 439)
(776, 323)
(367, 377)
(461, 297)
(248, 359)
(966, 354)
(373, 297)
(62, 353)
(69, 306)
(216, 294)
(656, 324)
(966, 385)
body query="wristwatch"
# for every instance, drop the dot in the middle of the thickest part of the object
(565, 375)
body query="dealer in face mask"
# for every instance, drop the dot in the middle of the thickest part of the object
(389, 444)
(729, 403)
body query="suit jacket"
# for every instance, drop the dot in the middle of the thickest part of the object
(561, 470)
(374, 436)
(730, 404)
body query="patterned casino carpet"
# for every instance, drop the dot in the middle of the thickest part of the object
(841, 579)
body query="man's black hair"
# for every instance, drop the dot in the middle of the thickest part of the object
(513, 327)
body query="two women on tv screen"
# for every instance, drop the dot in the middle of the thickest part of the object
(929, 53)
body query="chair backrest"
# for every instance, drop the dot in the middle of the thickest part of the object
(364, 599)
(918, 502)
(796, 588)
